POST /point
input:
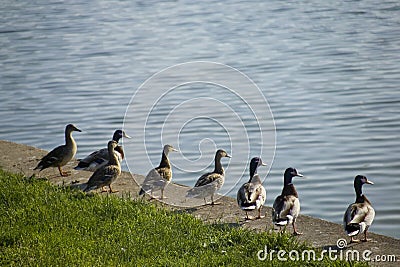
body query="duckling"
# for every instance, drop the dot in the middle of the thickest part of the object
(100, 157)
(286, 207)
(252, 195)
(106, 174)
(210, 182)
(60, 155)
(158, 178)
(359, 215)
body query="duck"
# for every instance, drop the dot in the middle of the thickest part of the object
(107, 174)
(159, 177)
(100, 157)
(252, 195)
(61, 155)
(359, 215)
(210, 182)
(286, 207)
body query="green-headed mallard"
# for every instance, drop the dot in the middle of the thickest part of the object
(252, 195)
(286, 207)
(359, 215)
(158, 178)
(60, 155)
(100, 157)
(210, 182)
(106, 174)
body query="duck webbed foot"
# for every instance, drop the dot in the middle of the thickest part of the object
(295, 232)
(103, 189)
(259, 215)
(64, 173)
(354, 241)
(111, 190)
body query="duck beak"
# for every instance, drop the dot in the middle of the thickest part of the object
(175, 150)
(369, 182)
(299, 175)
(228, 156)
(78, 130)
(263, 164)
(126, 136)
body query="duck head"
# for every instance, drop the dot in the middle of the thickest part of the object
(70, 128)
(118, 134)
(359, 181)
(221, 154)
(254, 164)
(169, 148)
(289, 174)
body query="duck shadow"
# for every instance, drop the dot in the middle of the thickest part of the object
(335, 247)
(76, 185)
(218, 224)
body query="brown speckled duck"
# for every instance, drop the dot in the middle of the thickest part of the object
(100, 157)
(210, 182)
(158, 178)
(286, 207)
(107, 174)
(252, 195)
(60, 155)
(359, 215)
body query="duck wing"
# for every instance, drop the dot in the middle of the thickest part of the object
(359, 212)
(206, 185)
(357, 217)
(242, 197)
(285, 208)
(251, 196)
(153, 181)
(94, 160)
(207, 178)
(97, 159)
(164, 172)
(53, 158)
(102, 177)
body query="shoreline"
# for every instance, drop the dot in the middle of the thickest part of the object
(19, 158)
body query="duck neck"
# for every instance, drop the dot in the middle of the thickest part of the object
(289, 190)
(120, 150)
(288, 187)
(287, 180)
(253, 171)
(218, 166)
(113, 158)
(253, 174)
(255, 179)
(69, 140)
(359, 195)
(164, 161)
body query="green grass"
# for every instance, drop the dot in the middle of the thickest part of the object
(45, 225)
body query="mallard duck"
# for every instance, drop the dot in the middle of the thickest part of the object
(100, 157)
(210, 182)
(286, 207)
(60, 155)
(252, 195)
(359, 215)
(158, 178)
(106, 174)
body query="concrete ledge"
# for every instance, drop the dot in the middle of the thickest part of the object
(20, 158)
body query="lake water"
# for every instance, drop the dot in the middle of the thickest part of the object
(330, 73)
